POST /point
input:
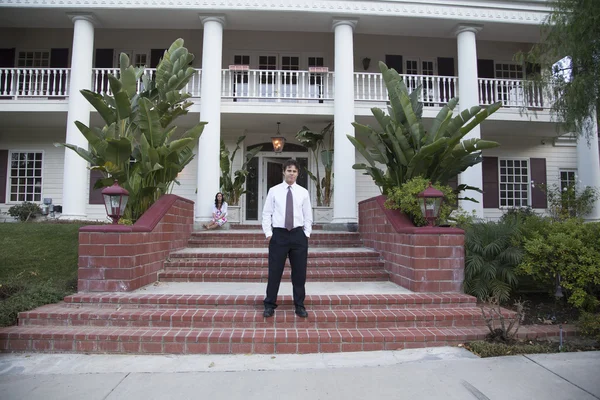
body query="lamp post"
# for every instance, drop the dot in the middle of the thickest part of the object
(431, 204)
(115, 200)
(278, 141)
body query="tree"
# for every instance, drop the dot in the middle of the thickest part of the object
(315, 142)
(570, 34)
(232, 183)
(136, 146)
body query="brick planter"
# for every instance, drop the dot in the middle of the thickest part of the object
(120, 258)
(425, 259)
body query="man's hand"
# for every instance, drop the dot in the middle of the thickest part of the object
(269, 239)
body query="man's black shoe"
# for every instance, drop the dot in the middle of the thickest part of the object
(269, 311)
(301, 312)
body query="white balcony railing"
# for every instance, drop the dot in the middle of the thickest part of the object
(101, 85)
(34, 82)
(279, 86)
(513, 93)
(435, 90)
(284, 86)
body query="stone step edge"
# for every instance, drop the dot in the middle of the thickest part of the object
(236, 265)
(239, 341)
(257, 300)
(220, 315)
(220, 253)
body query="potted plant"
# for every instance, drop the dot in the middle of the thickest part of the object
(321, 146)
(232, 182)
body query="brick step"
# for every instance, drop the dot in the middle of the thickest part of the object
(260, 243)
(258, 235)
(56, 315)
(414, 301)
(224, 253)
(241, 341)
(247, 275)
(248, 263)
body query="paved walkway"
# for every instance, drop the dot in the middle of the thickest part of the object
(435, 373)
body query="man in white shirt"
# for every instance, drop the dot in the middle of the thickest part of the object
(287, 224)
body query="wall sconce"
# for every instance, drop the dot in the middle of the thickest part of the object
(366, 62)
(115, 200)
(278, 141)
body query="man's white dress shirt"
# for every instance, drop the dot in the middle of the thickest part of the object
(274, 210)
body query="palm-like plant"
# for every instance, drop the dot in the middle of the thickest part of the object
(407, 150)
(492, 255)
(232, 183)
(136, 145)
(315, 142)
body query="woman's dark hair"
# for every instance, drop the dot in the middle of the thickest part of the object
(217, 200)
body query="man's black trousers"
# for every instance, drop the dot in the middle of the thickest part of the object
(284, 244)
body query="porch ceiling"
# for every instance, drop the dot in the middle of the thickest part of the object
(264, 21)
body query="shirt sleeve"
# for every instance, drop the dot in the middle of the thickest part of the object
(224, 208)
(307, 214)
(267, 215)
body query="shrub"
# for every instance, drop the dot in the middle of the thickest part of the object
(492, 255)
(24, 211)
(569, 202)
(404, 198)
(569, 250)
(589, 325)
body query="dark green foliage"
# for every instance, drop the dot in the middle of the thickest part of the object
(315, 142)
(407, 150)
(569, 249)
(232, 183)
(570, 202)
(487, 349)
(572, 29)
(492, 255)
(405, 199)
(589, 325)
(24, 211)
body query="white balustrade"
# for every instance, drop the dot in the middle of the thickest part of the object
(513, 93)
(34, 82)
(276, 85)
(285, 86)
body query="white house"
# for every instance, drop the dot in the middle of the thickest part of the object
(309, 62)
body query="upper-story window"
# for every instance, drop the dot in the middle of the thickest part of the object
(34, 59)
(509, 71)
(25, 176)
(241, 76)
(268, 63)
(290, 63)
(514, 183)
(136, 58)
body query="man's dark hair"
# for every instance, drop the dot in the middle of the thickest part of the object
(289, 162)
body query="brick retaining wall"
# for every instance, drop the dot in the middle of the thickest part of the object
(120, 258)
(424, 259)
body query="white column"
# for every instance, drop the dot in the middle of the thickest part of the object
(210, 111)
(468, 95)
(344, 177)
(588, 166)
(75, 175)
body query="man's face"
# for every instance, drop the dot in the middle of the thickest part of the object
(290, 174)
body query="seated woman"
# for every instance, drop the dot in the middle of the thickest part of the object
(219, 212)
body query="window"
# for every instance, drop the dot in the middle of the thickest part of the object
(509, 71)
(136, 59)
(33, 82)
(567, 179)
(514, 183)
(25, 176)
(268, 63)
(34, 59)
(416, 66)
(290, 64)
(241, 76)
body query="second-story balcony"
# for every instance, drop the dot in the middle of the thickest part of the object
(283, 86)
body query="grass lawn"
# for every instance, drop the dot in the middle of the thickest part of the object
(38, 265)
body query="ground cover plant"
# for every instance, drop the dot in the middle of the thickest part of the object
(38, 265)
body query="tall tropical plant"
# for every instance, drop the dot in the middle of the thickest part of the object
(407, 150)
(315, 142)
(137, 144)
(232, 183)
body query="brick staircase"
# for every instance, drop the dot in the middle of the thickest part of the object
(229, 322)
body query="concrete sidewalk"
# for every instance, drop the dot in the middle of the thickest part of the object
(435, 373)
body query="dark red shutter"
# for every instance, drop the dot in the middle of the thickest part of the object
(491, 195)
(446, 68)
(155, 56)
(7, 60)
(59, 58)
(3, 174)
(394, 61)
(95, 194)
(538, 176)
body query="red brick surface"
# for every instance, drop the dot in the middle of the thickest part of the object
(117, 258)
(428, 259)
